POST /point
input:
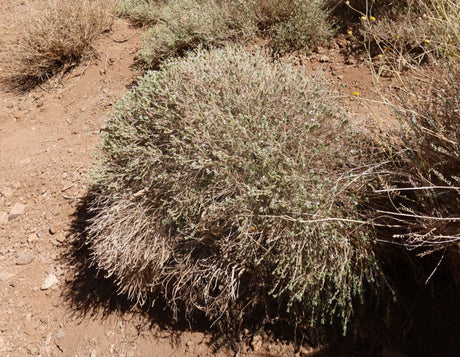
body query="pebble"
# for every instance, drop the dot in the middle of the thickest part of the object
(49, 282)
(60, 334)
(17, 210)
(6, 192)
(324, 58)
(32, 238)
(24, 257)
(3, 217)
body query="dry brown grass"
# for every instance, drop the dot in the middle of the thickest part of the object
(54, 36)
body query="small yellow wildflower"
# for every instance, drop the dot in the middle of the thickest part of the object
(397, 36)
(356, 93)
(350, 32)
(379, 55)
(426, 40)
(372, 18)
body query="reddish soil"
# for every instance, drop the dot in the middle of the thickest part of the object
(48, 140)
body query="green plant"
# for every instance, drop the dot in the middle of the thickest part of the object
(142, 12)
(230, 184)
(287, 24)
(185, 24)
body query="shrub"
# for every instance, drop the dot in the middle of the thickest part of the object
(229, 185)
(296, 24)
(410, 36)
(141, 12)
(422, 193)
(184, 24)
(56, 36)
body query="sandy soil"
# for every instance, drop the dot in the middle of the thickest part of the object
(49, 305)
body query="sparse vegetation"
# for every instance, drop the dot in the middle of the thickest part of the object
(229, 184)
(234, 186)
(54, 37)
(184, 24)
(141, 12)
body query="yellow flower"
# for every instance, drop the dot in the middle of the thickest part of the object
(356, 93)
(350, 32)
(426, 40)
(379, 55)
(372, 18)
(397, 36)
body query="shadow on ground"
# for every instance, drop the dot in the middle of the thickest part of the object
(422, 322)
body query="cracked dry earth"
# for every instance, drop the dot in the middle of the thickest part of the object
(48, 140)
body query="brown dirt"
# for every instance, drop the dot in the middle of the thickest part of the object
(48, 138)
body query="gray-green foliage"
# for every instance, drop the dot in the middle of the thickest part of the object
(225, 185)
(185, 24)
(143, 12)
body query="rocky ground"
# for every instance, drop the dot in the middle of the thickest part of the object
(50, 305)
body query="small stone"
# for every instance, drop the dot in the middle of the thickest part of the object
(18, 116)
(60, 238)
(324, 59)
(3, 217)
(9, 105)
(60, 334)
(6, 192)
(24, 257)
(49, 282)
(48, 339)
(56, 210)
(56, 228)
(32, 238)
(17, 210)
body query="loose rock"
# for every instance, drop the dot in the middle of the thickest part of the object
(324, 59)
(6, 192)
(24, 257)
(60, 334)
(49, 282)
(17, 210)
(3, 217)
(32, 238)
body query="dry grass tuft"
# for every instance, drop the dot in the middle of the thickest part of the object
(55, 36)
(230, 185)
(417, 32)
(421, 194)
